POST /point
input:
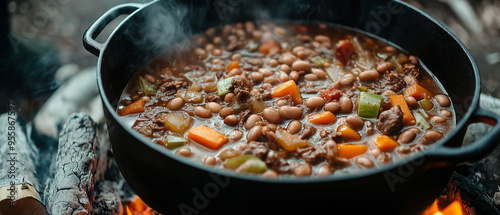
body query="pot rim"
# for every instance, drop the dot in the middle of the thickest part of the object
(298, 180)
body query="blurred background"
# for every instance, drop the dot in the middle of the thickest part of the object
(46, 35)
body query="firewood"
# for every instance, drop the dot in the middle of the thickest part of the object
(71, 189)
(18, 182)
(107, 200)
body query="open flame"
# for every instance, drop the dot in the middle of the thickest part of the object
(455, 208)
(138, 207)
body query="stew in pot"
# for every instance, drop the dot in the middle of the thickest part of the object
(288, 99)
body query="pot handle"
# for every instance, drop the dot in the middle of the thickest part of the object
(476, 150)
(96, 28)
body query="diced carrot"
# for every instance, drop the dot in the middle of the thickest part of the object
(348, 134)
(408, 118)
(385, 143)
(418, 92)
(135, 107)
(288, 88)
(269, 46)
(324, 118)
(233, 65)
(349, 151)
(207, 137)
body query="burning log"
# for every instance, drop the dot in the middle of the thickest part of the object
(72, 187)
(107, 201)
(18, 183)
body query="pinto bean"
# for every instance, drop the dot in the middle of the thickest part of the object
(389, 93)
(375, 152)
(347, 80)
(442, 100)
(202, 112)
(224, 112)
(231, 120)
(324, 170)
(290, 112)
(209, 46)
(446, 113)
(267, 86)
(412, 102)
(146, 99)
(410, 80)
(286, 59)
(438, 119)
(364, 161)
(285, 68)
(270, 174)
(315, 102)
(318, 72)
(294, 127)
(368, 75)
(271, 115)
(254, 133)
(235, 134)
(249, 26)
(311, 77)
(355, 122)
(213, 107)
(216, 52)
(283, 77)
(228, 97)
(266, 72)
(272, 80)
(302, 170)
(301, 65)
(252, 120)
(186, 152)
(432, 136)
(175, 104)
(272, 63)
(200, 52)
(413, 59)
(332, 107)
(385, 66)
(257, 34)
(257, 76)
(345, 105)
(407, 136)
(389, 49)
(210, 160)
(150, 78)
(236, 57)
(294, 75)
(234, 72)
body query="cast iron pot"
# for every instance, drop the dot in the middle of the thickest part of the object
(173, 185)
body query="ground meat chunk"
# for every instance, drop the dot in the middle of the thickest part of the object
(213, 98)
(390, 121)
(235, 45)
(312, 155)
(242, 87)
(410, 69)
(257, 149)
(277, 162)
(255, 62)
(307, 132)
(173, 86)
(390, 81)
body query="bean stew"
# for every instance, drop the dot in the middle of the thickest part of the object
(288, 99)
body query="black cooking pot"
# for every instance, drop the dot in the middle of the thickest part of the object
(173, 185)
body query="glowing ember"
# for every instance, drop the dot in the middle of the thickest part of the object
(455, 208)
(138, 207)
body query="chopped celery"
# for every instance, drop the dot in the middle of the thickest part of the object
(288, 141)
(334, 72)
(235, 162)
(252, 166)
(147, 87)
(175, 141)
(421, 121)
(383, 55)
(224, 86)
(321, 62)
(426, 104)
(369, 105)
(402, 58)
(364, 89)
(252, 46)
(257, 106)
(190, 96)
(397, 65)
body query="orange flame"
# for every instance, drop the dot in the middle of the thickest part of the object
(455, 208)
(138, 207)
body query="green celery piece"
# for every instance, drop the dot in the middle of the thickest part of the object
(252, 46)
(426, 104)
(369, 105)
(255, 166)
(421, 121)
(334, 72)
(397, 65)
(175, 141)
(223, 87)
(147, 87)
(233, 163)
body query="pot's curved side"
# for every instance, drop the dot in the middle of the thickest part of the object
(173, 186)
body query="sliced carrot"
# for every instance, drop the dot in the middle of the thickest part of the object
(269, 46)
(233, 65)
(324, 118)
(348, 134)
(385, 143)
(349, 151)
(136, 107)
(408, 118)
(418, 92)
(288, 88)
(207, 137)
